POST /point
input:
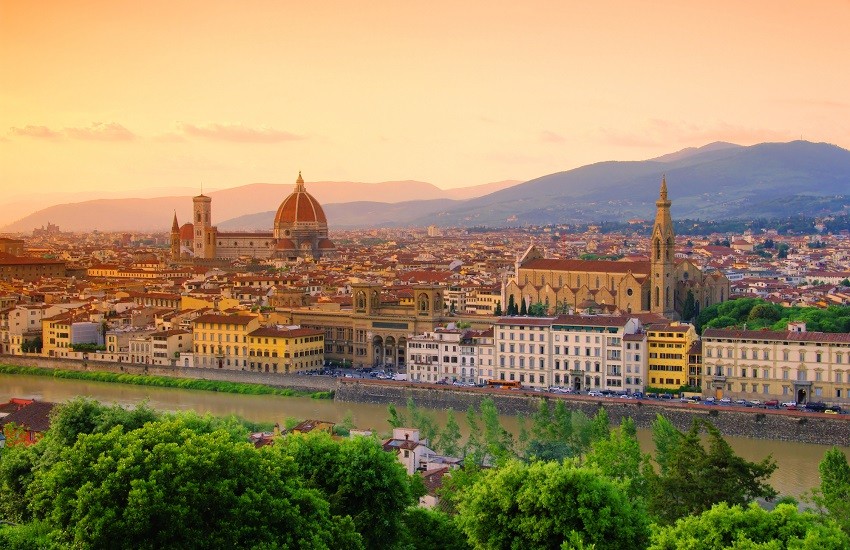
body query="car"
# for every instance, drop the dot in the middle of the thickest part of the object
(594, 393)
(789, 404)
(771, 404)
(791, 407)
(725, 401)
(830, 411)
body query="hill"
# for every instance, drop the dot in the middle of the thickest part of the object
(717, 181)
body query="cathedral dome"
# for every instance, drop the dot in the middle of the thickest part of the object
(300, 208)
(187, 232)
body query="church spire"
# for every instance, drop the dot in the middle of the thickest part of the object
(174, 225)
(662, 195)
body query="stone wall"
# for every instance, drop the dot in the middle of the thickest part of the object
(294, 381)
(755, 423)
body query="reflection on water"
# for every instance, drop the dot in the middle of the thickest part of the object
(798, 462)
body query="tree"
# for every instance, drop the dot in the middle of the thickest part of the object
(689, 308)
(833, 495)
(358, 478)
(725, 526)
(423, 421)
(498, 310)
(173, 483)
(537, 309)
(693, 479)
(511, 305)
(428, 529)
(523, 309)
(449, 439)
(550, 505)
(618, 457)
(396, 419)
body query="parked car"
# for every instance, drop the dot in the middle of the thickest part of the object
(771, 404)
(594, 393)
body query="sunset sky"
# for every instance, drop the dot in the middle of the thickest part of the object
(122, 96)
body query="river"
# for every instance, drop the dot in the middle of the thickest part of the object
(796, 474)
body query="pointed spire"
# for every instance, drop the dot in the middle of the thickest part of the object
(663, 201)
(174, 225)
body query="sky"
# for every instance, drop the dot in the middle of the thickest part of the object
(133, 97)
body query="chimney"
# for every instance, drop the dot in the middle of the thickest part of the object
(406, 436)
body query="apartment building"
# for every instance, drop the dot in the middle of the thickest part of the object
(792, 365)
(582, 352)
(435, 356)
(221, 341)
(668, 361)
(285, 349)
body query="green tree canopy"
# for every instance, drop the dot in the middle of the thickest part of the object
(751, 528)
(833, 495)
(548, 504)
(358, 478)
(173, 484)
(692, 478)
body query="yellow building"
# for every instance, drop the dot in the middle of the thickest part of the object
(221, 341)
(272, 349)
(668, 359)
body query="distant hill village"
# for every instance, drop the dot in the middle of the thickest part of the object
(582, 312)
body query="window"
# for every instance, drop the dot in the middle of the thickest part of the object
(785, 355)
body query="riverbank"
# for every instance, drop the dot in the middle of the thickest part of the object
(297, 382)
(780, 425)
(791, 426)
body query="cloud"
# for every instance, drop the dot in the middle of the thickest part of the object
(547, 136)
(38, 132)
(101, 131)
(658, 132)
(238, 133)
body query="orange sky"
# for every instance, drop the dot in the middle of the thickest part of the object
(121, 96)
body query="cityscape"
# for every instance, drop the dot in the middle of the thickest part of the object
(627, 336)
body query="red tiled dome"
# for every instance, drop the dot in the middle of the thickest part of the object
(326, 244)
(300, 207)
(187, 232)
(284, 244)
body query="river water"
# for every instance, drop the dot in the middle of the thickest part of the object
(796, 474)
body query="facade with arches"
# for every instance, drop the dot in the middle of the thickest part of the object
(660, 285)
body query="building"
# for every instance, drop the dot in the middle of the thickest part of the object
(290, 349)
(660, 285)
(221, 341)
(411, 451)
(30, 418)
(668, 362)
(29, 269)
(792, 365)
(581, 352)
(300, 231)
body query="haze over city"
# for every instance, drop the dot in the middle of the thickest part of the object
(120, 99)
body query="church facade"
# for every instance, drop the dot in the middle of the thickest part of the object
(659, 285)
(300, 231)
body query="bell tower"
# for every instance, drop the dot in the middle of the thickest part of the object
(175, 239)
(204, 246)
(662, 254)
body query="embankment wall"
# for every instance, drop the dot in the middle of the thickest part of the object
(755, 423)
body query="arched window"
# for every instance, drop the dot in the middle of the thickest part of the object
(657, 249)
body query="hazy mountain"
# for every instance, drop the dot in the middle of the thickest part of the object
(156, 213)
(718, 181)
(726, 182)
